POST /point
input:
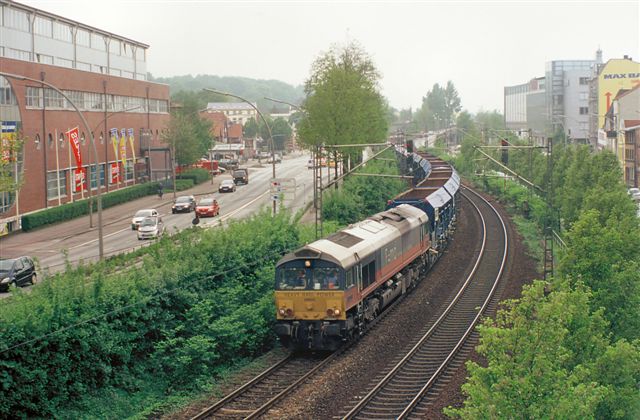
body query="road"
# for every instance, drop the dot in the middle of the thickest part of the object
(118, 236)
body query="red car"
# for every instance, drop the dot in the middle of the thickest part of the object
(207, 207)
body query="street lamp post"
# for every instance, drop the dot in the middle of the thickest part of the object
(273, 157)
(93, 143)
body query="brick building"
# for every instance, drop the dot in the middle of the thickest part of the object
(104, 75)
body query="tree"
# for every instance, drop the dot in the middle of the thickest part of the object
(548, 356)
(281, 131)
(439, 107)
(250, 128)
(188, 133)
(343, 103)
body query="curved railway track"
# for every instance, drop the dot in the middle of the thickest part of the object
(255, 398)
(405, 391)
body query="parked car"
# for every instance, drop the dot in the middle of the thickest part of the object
(150, 228)
(208, 207)
(310, 164)
(241, 176)
(140, 215)
(17, 271)
(276, 157)
(227, 186)
(184, 203)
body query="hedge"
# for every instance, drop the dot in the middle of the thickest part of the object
(80, 208)
(197, 175)
(207, 304)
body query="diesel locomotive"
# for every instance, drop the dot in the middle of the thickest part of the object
(329, 290)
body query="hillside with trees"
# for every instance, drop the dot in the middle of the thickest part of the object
(251, 89)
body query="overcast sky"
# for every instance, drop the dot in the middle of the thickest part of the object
(481, 46)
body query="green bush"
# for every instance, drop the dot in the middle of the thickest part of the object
(207, 305)
(198, 175)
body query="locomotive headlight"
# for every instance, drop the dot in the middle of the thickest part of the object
(282, 311)
(289, 312)
(336, 312)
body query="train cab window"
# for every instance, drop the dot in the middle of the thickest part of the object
(349, 279)
(292, 279)
(325, 279)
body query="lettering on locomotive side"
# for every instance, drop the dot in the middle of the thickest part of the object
(310, 294)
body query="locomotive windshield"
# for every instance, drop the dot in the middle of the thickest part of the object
(308, 279)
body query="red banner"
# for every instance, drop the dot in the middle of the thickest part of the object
(79, 179)
(115, 170)
(74, 143)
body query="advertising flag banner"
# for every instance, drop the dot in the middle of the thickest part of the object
(131, 142)
(80, 179)
(74, 143)
(114, 142)
(123, 147)
(9, 129)
(114, 173)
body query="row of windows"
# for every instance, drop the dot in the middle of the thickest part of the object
(58, 181)
(92, 101)
(44, 26)
(63, 62)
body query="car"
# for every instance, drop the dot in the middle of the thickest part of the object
(227, 186)
(184, 203)
(311, 164)
(241, 175)
(228, 164)
(151, 228)
(140, 215)
(18, 271)
(208, 207)
(276, 157)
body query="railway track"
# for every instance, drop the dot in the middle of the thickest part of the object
(260, 393)
(406, 390)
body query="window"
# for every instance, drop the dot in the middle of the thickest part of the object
(127, 74)
(140, 76)
(34, 97)
(62, 32)
(129, 170)
(114, 46)
(44, 59)
(98, 69)
(37, 141)
(50, 141)
(368, 274)
(93, 176)
(584, 110)
(140, 54)
(349, 279)
(583, 80)
(83, 66)
(16, 19)
(6, 93)
(53, 99)
(63, 62)
(584, 96)
(115, 72)
(97, 42)
(55, 179)
(83, 38)
(17, 54)
(61, 141)
(43, 26)
(76, 97)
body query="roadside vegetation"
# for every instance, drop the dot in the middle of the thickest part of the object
(570, 346)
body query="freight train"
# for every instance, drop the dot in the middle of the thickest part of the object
(327, 292)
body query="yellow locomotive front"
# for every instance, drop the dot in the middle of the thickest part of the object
(310, 304)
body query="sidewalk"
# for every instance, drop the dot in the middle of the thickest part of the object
(22, 243)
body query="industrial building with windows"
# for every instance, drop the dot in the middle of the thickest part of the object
(105, 76)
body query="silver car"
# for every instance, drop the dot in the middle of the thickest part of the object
(140, 216)
(151, 228)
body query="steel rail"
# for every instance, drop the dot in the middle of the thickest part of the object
(469, 330)
(365, 400)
